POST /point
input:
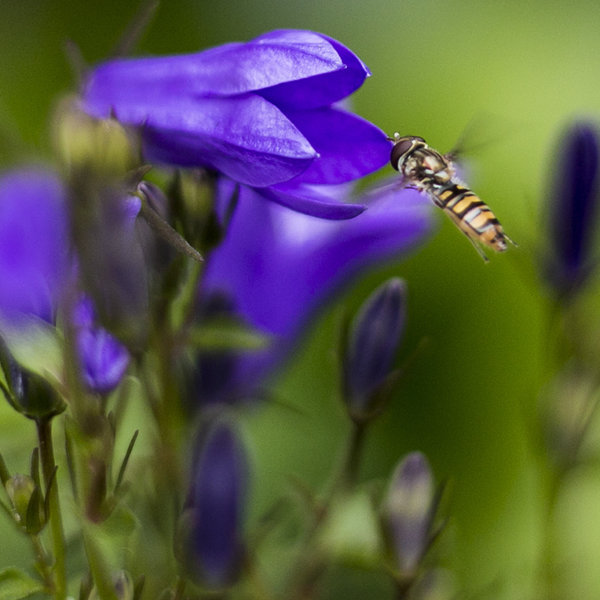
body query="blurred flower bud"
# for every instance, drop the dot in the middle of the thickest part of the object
(20, 489)
(573, 210)
(99, 146)
(408, 512)
(123, 585)
(209, 543)
(372, 342)
(103, 359)
(28, 392)
(569, 404)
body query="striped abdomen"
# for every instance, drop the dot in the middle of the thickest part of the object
(471, 215)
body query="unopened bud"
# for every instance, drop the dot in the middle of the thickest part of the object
(372, 342)
(100, 146)
(20, 488)
(408, 511)
(210, 534)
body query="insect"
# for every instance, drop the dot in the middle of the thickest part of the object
(433, 173)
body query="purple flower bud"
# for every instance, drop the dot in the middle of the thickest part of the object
(573, 209)
(214, 509)
(259, 112)
(372, 344)
(103, 359)
(408, 511)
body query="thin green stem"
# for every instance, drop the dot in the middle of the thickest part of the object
(349, 470)
(42, 560)
(44, 431)
(310, 564)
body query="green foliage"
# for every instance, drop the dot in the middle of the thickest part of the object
(16, 584)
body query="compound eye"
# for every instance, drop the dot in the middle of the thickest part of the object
(400, 148)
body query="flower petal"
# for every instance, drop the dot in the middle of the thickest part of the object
(280, 266)
(311, 200)
(33, 244)
(247, 138)
(321, 89)
(228, 70)
(103, 359)
(349, 147)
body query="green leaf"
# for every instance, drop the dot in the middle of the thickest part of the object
(15, 584)
(228, 335)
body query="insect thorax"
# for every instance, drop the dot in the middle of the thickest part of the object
(427, 169)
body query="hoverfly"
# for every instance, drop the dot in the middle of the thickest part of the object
(433, 173)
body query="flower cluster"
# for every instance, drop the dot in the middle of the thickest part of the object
(91, 272)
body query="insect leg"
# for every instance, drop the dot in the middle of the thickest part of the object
(478, 248)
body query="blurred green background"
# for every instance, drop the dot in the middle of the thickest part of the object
(510, 72)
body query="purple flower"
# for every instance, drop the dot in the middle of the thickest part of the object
(277, 267)
(212, 538)
(259, 112)
(574, 209)
(33, 245)
(103, 359)
(36, 269)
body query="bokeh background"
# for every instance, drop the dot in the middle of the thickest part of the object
(510, 75)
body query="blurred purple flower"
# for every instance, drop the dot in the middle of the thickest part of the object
(36, 268)
(214, 508)
(278, 267)
(573, 209)
(103, 359)
(34, 263)
(260, 112)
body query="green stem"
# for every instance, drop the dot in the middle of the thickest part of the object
(350, 466)
(44, 431)
(310, 564)
(99, 568)
(42, 560)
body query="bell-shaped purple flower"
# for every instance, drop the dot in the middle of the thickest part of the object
(573, 210)
(371, 346)
(260, 112)
(103, 359)
(408, 511)
(212, 537)
(34, 260)
(278, 267)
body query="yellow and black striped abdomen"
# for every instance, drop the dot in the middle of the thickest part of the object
(473, 216)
